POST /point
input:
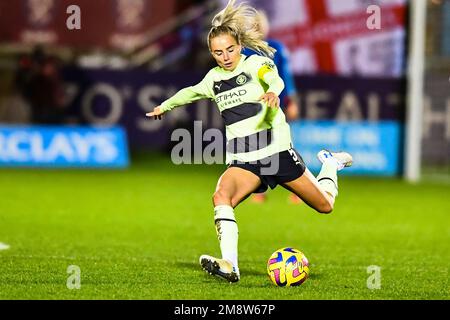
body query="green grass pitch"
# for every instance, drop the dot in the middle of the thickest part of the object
(138, 233)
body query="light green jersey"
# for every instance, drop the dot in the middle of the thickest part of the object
(253, 130)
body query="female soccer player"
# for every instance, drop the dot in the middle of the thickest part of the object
(259, 151)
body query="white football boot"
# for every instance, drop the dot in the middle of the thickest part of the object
(343, 159)
(219, 267)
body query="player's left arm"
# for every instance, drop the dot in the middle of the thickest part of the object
(268, 73)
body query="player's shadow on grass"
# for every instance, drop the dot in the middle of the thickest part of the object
(196, 266)
(188, 265)
(244, 271)
(253, 272)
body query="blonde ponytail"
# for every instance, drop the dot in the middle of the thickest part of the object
(241, 23)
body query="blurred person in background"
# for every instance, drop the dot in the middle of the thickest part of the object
(14, 109)
(246, 90)
(289, 100)
(42, 86)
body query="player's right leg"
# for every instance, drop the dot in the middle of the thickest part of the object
(233, 186)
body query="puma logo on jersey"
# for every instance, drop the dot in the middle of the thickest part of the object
(218, 86)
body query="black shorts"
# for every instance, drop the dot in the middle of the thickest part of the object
(277, 169)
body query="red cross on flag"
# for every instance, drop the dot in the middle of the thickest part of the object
(336, 36)
(333, 36)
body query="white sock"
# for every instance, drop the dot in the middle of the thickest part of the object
(328, 177)
(227, 233)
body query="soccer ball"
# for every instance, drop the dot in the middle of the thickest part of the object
(288, 267)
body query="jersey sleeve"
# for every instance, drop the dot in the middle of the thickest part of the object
(189, 94)
(268, 73)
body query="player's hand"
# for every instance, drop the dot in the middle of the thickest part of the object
(156, 113)
(271, 99)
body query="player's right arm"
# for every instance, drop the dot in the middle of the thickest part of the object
(182, 97)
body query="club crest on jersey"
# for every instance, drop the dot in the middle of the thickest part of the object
(241, 79)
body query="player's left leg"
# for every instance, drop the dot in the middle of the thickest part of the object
(320, 193)
(309, 190)
(233, 187)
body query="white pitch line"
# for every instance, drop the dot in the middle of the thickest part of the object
(4, 246)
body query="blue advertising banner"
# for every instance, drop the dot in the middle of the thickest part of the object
(63, 146)
(375, 147)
